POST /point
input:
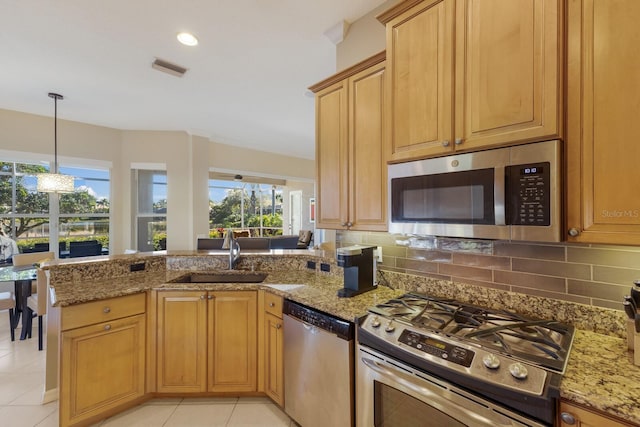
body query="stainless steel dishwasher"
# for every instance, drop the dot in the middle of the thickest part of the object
(318, 367)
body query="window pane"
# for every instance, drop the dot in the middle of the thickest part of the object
(28, 200)
(152, 192)
(82, 228)
(152, 233)
(92, 192)
(31, 231)
(6, 199)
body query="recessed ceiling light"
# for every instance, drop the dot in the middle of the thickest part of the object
(187, 39)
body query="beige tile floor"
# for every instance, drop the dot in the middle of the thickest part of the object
(22, 369)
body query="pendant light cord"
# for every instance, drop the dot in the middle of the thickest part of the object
(55, 97)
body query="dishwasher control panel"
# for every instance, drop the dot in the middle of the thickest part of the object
(324, 321)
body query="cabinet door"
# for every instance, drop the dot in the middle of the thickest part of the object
(420, 80)
(182, 342)
(574, 416)
(102, 368)
(367, 151)
(233, 320)
(331, 157)
(274, 362)
(508, 71)
(603, 128)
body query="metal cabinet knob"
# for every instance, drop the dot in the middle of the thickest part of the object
(107, 327)
(271, 304)
(349, 224)
(278, 326)
(573, 232)
(567, 418)
(210, 297)
(106, 310)
(203, 297)
(445, 143)
(458, 141)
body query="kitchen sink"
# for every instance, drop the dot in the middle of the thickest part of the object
(226, 276)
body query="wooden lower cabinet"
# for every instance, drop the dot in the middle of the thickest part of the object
(571, 415)
(206, 341)
(273, 358)
(102, 368)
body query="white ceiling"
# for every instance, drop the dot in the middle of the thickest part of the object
(246, 82)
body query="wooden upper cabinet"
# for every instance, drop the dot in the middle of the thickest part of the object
(331, 156)
(420, 80)
(472, 74)
(603, 95)
(350, 148)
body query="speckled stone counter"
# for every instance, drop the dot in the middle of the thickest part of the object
(600, 373)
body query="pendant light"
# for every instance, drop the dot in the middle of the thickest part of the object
(55, 182)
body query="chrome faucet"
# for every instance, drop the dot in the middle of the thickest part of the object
(233, 246)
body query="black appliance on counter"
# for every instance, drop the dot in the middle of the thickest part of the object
(359, 267)
(457, 364)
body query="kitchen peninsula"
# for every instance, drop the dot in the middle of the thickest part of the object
(599, 375)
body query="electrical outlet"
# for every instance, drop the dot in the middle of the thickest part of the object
(311, 265)
(137, 267)
(379, 254)
(325, 267)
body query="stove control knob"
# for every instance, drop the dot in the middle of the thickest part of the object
(390, 327)
(491, 361)
(518, 370)
(375, 322)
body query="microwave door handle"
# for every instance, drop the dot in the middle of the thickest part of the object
(499, 195)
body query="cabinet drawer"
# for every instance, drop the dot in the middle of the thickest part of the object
(273, 304)
(101, 311)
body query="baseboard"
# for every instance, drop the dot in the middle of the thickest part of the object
(50, 395)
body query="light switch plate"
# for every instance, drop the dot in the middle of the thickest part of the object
(379, 254)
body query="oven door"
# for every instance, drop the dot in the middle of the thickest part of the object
(391, 394)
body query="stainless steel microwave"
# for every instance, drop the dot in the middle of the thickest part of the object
(511, 193)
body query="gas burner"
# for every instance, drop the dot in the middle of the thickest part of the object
(543, 342)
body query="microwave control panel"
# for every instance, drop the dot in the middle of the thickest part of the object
(528, 189)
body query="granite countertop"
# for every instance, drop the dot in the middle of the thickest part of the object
(319, 290)
(600, 373)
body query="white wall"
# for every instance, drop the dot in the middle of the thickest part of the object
(187, 160)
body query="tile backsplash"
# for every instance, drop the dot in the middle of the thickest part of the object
(597, 275)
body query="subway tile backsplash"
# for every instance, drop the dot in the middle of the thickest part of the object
(596, 275)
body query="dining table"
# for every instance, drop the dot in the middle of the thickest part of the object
(22, 277)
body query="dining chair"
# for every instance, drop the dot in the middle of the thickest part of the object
(37, 306)
(31, 258)
(7, 302)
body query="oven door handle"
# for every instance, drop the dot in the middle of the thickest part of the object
(435, 399)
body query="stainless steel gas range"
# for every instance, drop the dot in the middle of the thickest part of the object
(424, 361)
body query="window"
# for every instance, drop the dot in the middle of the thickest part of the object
(151, 217)
(26, 215)
(244, 206)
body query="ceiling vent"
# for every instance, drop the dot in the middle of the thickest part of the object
(168, 67)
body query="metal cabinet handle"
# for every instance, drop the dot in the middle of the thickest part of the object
(458, 141)
(278, 326)
(210, 297)
(106, 310)
(343, 224)
(271, 304)
(203, 297)
(573, 232)
(107, 327)
(568, 418)
(349, 224)
(445, 143)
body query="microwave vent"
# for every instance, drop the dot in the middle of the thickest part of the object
(168, 67)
